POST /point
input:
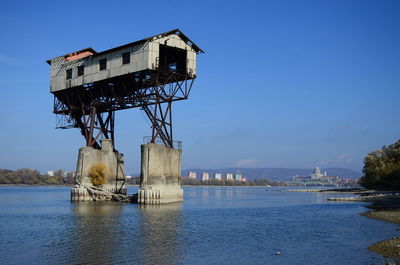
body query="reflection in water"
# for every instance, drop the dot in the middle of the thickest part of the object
(239, 191)
(96, 231)
(159, 226)
(229, 192)
(204, 192)
(104, 235)
(218, 193)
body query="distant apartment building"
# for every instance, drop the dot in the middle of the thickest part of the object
(238, 177)
(50, 173)
(218, 176)
(192, 175)
(68, 173)
(204, 176)
(229, 176)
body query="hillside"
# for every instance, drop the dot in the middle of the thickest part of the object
(276, 174)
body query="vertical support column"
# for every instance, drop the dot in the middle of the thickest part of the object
(113, 164)
(160, 175)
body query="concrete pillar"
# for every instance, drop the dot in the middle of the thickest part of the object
(89, 156)
(160, 175)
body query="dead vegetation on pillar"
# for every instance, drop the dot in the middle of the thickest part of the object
(98, 174)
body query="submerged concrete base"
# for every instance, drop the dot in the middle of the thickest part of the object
(160, 175)
(80, 194)
(160, 194)
(113, 162)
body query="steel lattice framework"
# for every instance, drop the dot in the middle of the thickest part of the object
(92, 107)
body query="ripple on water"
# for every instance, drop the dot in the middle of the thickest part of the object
(215, 225)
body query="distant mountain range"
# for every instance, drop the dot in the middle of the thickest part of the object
(275, 174)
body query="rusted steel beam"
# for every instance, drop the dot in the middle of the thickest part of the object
(86, 105)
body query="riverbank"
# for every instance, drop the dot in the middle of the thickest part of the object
(327, 190)
(387, 216)
(385, 206)
(361, 191)
(395, 198)
(388, 248)
(387, 209)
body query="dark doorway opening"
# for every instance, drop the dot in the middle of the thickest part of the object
(172, 59)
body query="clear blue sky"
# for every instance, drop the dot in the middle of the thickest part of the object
(282, 83)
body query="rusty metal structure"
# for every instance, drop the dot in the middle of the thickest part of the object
(151, 73)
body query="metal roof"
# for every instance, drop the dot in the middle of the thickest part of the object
(68, 54)
(196, 48)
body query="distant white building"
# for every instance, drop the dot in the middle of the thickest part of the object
(218, 176)
(316, 173)
(229, 176)
(238, 177)
(192, 175)
(68, 173)
(50, 173)
(204, 176)
(128, 177)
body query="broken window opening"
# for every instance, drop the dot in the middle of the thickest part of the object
(69, 73)
(126, 57)
(81, 70)
(102, 64)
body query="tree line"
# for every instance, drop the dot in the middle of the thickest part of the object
(382, 168)
(28, 176)
(32, 177)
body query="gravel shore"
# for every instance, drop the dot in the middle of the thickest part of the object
(388, 216)
(385, 206)
(387, 211)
